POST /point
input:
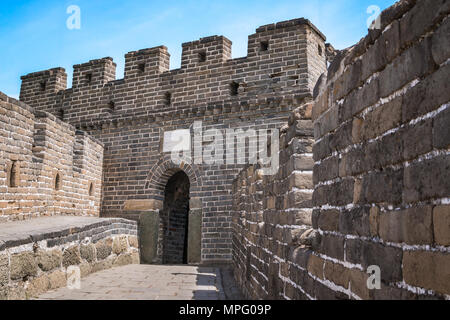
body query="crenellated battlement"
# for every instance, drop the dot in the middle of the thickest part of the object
(205, 52)
(95, 73)
(39, 88)
(283, 59)
(146, 63)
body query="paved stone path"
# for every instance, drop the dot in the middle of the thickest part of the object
(149, 282)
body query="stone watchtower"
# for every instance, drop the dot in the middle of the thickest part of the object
(184, 209)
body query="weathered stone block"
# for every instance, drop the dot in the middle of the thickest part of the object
(337, 274)
(120, 245)
(374, 221)
(418, 139)
(133, 241)
(16, 292)
(37, 286)
(327, 220)
(4, 270)
(303, 163)
(23, 265)
(87, 252)
(143, 205)
(382, 187)
(428, 95)
(85, 269)
(57, 279)
(441, 42)
(441, 129)
(353, 162)
(322, 149)
(411, 226)
(337, 194)
(423, 15)
(298, 199)
(414, 62)
(358, 282)
(102, 265)
(329, 121)
(301, 217)
(301, 180)
(103, 248)
(49, 260)
(300, 256)
(441, 224)
(424, 180)
(389, 259)
(327, 170)
(315, 266)
(429, 270)
(71, 256)
(355, 221)
(332, 246)
(360, 99)
(123, 259)
(382, 119)
(135, 258)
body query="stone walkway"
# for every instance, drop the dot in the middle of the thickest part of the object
(149, 282)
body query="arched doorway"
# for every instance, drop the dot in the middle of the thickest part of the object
(175, 219)
(154, 223)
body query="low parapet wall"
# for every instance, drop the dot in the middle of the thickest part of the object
(40, 254)
(47, 167)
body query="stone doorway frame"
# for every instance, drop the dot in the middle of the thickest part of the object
(151, 229)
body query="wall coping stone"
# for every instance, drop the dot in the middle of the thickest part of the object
(17, 233)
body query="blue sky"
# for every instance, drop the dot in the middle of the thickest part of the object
(34, 35)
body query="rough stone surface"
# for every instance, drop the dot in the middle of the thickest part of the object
(120, 245)
(427, 270)
(411, 226)
(88, 252)
(4, 270)
(49, 260)
(23, 265)
(27, 274)
(441, 223)
(380, 158)
(57, 279)
(133, 241)
(38, 286)
(71, 256)
(104, 249)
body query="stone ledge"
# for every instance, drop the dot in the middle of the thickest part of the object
(40, 254)
(60, 230)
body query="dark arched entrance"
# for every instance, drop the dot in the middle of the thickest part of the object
(175, 219)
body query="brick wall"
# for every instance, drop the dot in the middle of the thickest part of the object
(270, 213)
(131, 115)
(381, 187)
(47, 167)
